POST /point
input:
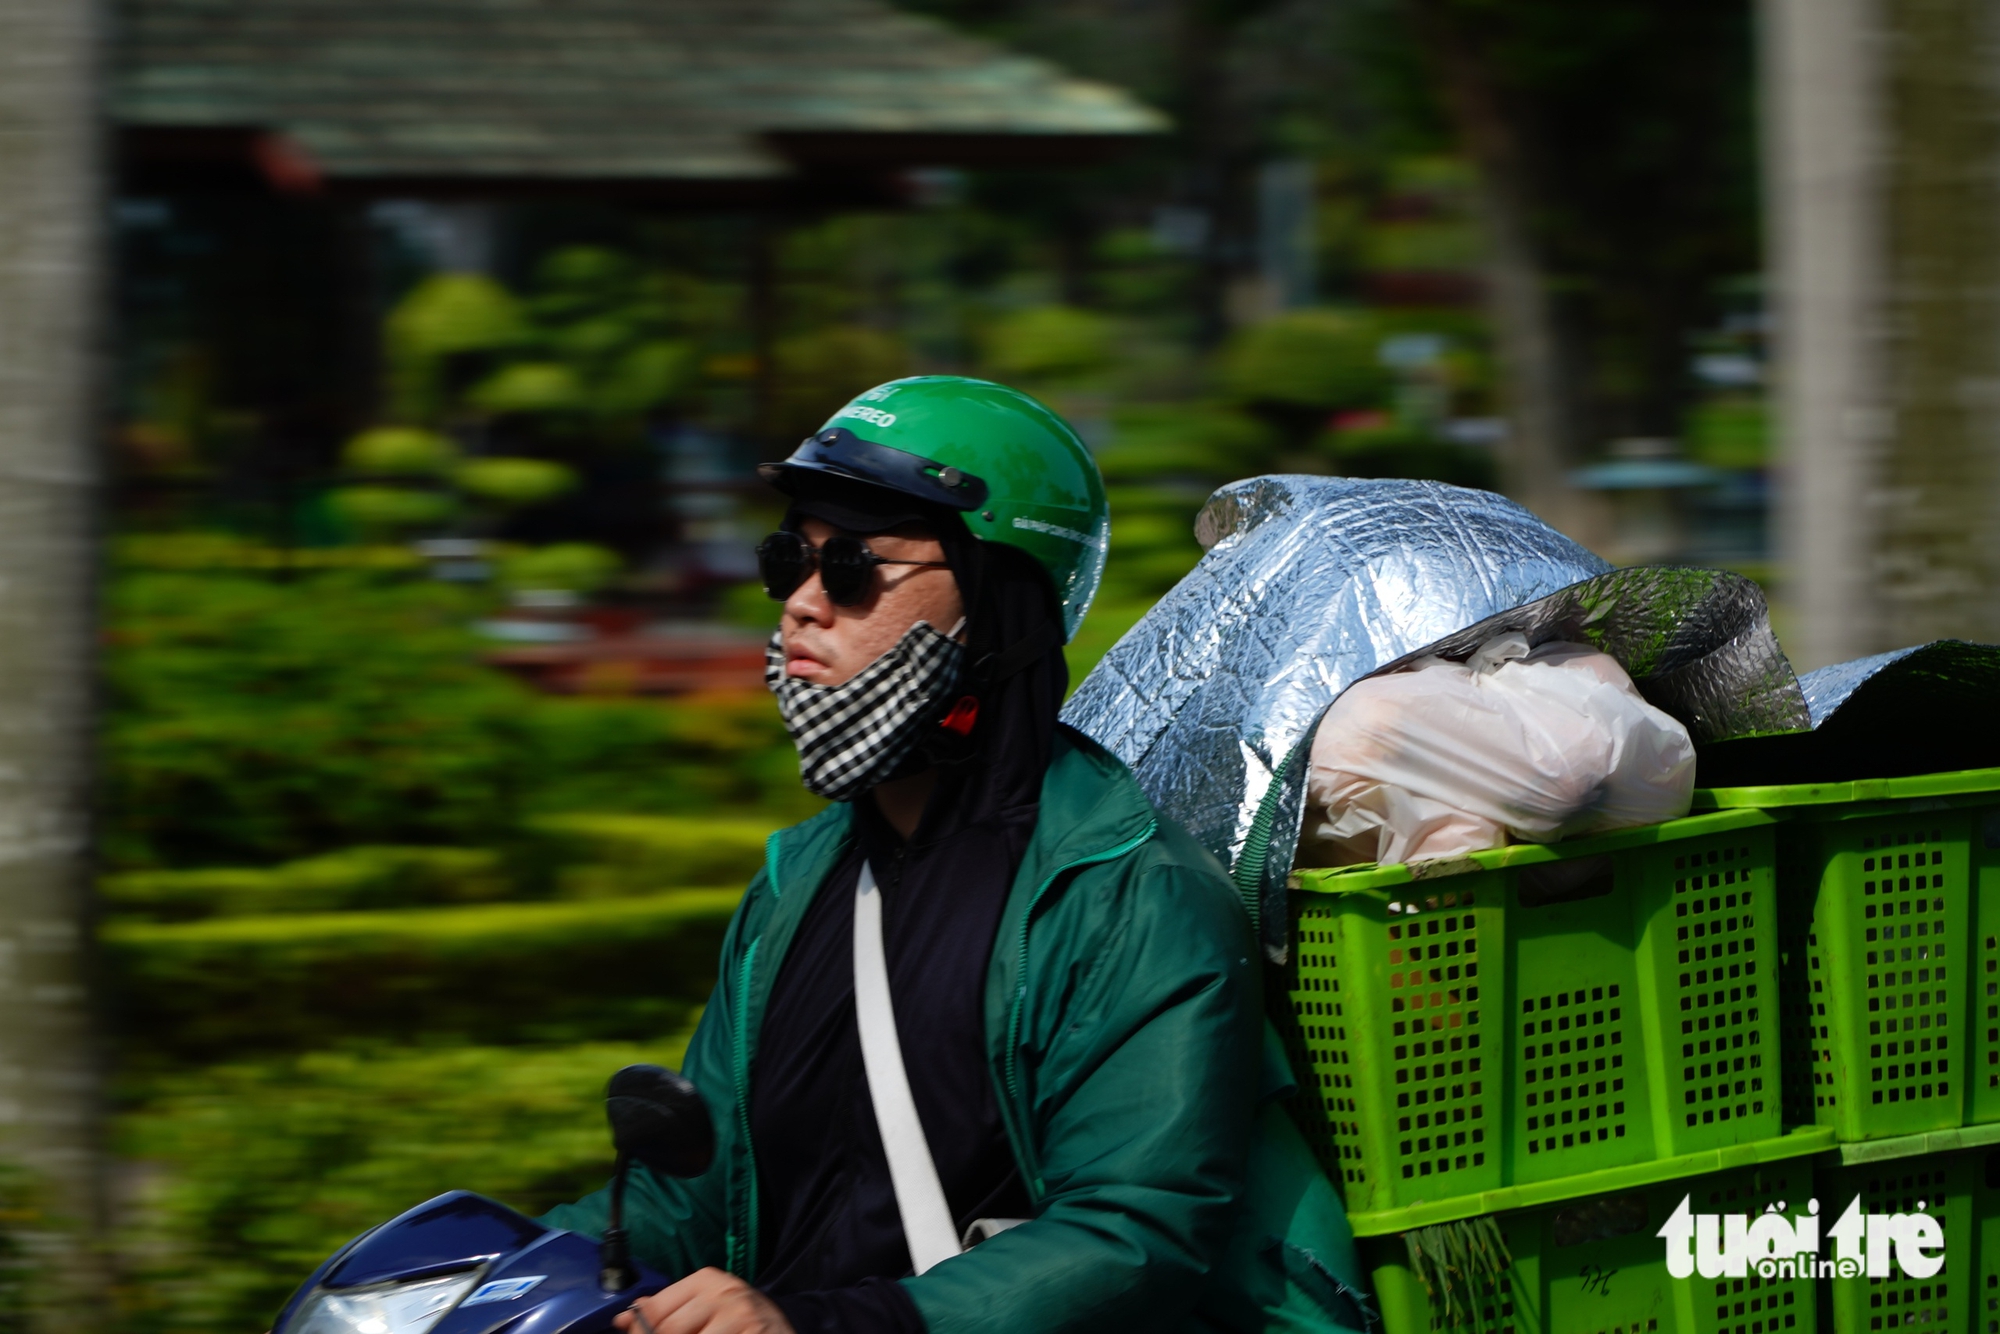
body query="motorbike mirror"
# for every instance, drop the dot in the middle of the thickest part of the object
(660, 1119)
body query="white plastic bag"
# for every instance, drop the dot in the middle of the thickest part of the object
(1443, 758)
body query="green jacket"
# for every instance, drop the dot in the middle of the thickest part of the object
(1135, 1075)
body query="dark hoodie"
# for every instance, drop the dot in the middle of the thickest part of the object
(834, 1241)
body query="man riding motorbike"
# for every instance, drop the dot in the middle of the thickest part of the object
(1073, 1007)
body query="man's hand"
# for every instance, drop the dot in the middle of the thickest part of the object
(708, 1301)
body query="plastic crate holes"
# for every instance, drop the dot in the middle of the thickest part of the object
(1432, 957)
(1715, 932)
(1335, 1136)
(1899, 1300)
(1873, 906)
(1440, 1085)
(1802, 1027)
(1562, 1099)
(1905, 969)
(1894, 941)
(1751, 1305)
(1989, 961)
(1494, 1306)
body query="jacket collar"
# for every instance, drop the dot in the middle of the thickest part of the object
(1090, 802)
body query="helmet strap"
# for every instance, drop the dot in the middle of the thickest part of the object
(950, 742)
(997, 667)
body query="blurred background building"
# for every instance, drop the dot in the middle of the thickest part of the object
(406, 276)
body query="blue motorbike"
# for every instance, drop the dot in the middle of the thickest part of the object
(464, 1264)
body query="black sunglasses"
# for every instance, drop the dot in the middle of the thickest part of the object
(846, 568)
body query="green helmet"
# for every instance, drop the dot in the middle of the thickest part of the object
(1014, 470)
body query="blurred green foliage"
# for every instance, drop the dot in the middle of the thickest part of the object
(446, 316)
(597, 341)
(748, 607)
(1132, 276)
(529, 387)
(618, 330)
(224, 986)
(252, 1172)
(1198, 442)
(400, 451)
(818, 371)
(353, 878)
(1152, 541)
(595, 855)
(414, 479)
(1299, 367)
(220, 554)
(729, 753)
(250, 721)
(345, 712)
(570, 567)
(1152, 549)
(1401, 451)
(382, 513)
(1040, 344)
(1730, 433)
(574, 367)
(514, 482)
(583, 855)
(1440, 234)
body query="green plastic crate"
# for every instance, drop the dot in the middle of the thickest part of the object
(1597, 1266)
(1889, 927)
(1799, 796)
(1955, 1177)
(1537, 1022)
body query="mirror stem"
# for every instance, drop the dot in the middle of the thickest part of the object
(615, 1259)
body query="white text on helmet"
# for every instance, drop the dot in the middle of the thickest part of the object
(875, 415)
(1037, 526)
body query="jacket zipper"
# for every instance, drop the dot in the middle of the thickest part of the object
(1011, 1074)
(742, 1245)
(771, 863)
(742, 1242)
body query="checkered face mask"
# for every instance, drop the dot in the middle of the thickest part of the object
(853, 735)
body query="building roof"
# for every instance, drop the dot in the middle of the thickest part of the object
(490, 93)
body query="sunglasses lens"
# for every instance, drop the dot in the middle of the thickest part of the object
(781, 561)
(845, 570)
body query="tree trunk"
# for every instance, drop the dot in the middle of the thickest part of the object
(1939, 555)
(1823, 162)
(1541, 418)
(50, 258)
(1887, 245)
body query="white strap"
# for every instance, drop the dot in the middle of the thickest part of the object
(927, 1225)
